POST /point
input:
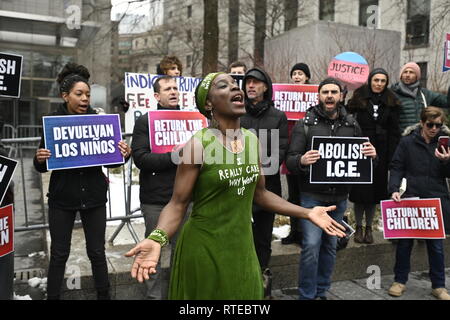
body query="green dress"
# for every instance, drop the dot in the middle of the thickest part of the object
(215, 256)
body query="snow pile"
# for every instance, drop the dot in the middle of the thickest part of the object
(27, 297)
(281, 231)
(38, 283)
(39, 254)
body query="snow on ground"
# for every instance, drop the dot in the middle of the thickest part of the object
(27, 297)
(117, 199)
(281, 231)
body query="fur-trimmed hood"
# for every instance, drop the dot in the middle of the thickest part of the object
(361, 97)
(411, 129)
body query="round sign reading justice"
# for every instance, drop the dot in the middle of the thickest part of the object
(350, 68)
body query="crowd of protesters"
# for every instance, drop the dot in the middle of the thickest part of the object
(224, 237)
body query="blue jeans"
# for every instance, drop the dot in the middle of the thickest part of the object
(318, 253)
(435, 250)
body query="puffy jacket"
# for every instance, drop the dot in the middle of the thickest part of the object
(425, 174)
(263, 115)
(75, 189)
(157, 171)
(319, 125)
(412, 107)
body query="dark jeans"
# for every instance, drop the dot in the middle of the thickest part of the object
(435, 250)
(262, 234)
(61, 224)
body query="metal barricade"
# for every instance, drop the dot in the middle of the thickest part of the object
(26, 165)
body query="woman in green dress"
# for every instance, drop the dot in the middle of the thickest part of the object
(219, 171)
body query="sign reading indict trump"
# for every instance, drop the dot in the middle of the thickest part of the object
(7, 168)
(10, 74)
(139, 94)
(295, 99)
(341, 161)
(82, 141)
(6, 230)
(168, 129)
(419, 218)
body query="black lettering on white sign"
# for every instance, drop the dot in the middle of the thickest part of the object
(341, 161)
(10, 75)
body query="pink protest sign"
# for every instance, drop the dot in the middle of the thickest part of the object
(350, 68)
(295, 99)
(168, 128)
(419, 219)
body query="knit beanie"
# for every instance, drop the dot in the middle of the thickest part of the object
(413, 66)
(303, 67)
(330, 81)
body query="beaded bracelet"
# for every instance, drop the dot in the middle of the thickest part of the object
(159, 236)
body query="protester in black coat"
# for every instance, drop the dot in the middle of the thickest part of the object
(262, 115)
(376, 109)
(80, 190)
(425, 167)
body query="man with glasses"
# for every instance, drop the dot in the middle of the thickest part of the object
(425, 164)
(328, 118)
(413, 97)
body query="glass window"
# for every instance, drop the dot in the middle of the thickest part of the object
(44, 88)
(423, 73)
(326, 10)
(366, 11)
(189, 11)
(418, 22)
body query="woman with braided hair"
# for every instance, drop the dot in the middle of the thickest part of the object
(219, 170)
(80, 190)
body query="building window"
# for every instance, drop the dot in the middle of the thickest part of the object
(368, 13)
(189, 35)
(189, 11)
(188, 61)
(418, 22)
(423, 73)
(326, 10)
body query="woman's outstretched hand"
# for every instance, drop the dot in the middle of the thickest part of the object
(320, 217)
(146, 256)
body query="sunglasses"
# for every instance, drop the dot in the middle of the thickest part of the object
(430, 125)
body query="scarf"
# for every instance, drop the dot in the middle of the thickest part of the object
(410, 90)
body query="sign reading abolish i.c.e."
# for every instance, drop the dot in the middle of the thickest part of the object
(10, 75)
(341, 161)
(414, 218)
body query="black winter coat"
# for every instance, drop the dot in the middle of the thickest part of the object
(383, 133)
(425, 174)
(157, 171)
(75, 189)
(319, 125)
(263, 115)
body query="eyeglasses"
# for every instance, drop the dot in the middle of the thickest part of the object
(430, 125)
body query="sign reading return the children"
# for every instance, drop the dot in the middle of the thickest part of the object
(82, 140)
(6, 230)
(139, 94)
(7, 168)
(295, 99)
(418, 218)
(168, 129)
(341, 161)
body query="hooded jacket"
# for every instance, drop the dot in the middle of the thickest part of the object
(319, 125)
(157, 171)
(75, 189)
(425, 174)
(263, 115)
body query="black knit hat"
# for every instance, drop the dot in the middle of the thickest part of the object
(378, 71)
(301, 66)
(330, 81)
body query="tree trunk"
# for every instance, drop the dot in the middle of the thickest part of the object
(260, 31)
(290, 14)
(233, 30)
(210, 36)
